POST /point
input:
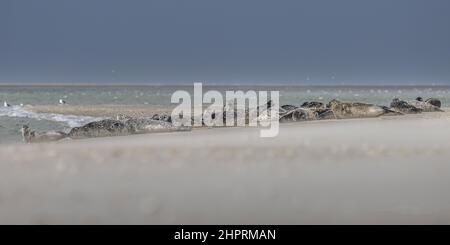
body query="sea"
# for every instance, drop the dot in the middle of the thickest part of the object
(20, 97)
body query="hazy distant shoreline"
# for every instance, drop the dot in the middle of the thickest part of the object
(315, 85)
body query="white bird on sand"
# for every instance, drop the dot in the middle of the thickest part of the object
(5, 104)
(62, 102)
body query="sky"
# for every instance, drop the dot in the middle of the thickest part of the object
(228, 41)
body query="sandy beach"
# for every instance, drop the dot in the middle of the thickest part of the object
(387, 170)
(103, 110)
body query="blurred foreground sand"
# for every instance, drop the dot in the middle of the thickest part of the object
(391, 170)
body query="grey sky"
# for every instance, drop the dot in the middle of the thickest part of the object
(354, 41)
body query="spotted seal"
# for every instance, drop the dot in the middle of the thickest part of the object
(148, 125)
(313, 105)
(358, 110)
(126, 126)
(429, 105)
(434, 101)
(322, 111)
(404, 107)
(103, 128)
(296, 114)
(162, 117)
(291, 113)
(288, 107)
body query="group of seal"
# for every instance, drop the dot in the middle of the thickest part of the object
(416, 106)
(336, 109)
(312, 110)
(104, 128)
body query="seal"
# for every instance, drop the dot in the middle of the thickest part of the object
(313, 105)
(146, 125)
(426, 106)
(434, 101)
(30, 136)
(162, 117)
(290, 113)
(326, 113)
(123, 126)
(322, 111)
(344, 110)
(103, 128)
(404, 107)
(285, 108)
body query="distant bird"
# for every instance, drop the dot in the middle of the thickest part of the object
(21, 104)
(5, 104)
(62, 102)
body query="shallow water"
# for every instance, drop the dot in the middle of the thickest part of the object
(12, 118)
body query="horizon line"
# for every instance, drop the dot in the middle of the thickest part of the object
(119, 84)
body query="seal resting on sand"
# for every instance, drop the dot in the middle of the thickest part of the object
(297, 114)
(36, 137)
(322, 111)
(287, 108)
(127, 126)
(313, 105)
(404, 107)
(358, 110)
(434, 101)
(325, 114)
(145, 125)
(162, 117)
(104, 128)
(101, 128)
(290, 113)
(427, 106)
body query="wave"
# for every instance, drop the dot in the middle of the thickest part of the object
(70, 120)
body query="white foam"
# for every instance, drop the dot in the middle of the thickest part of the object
(70, 120)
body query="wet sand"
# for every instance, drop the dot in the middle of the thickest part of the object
(103, 110)
(388, 170)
